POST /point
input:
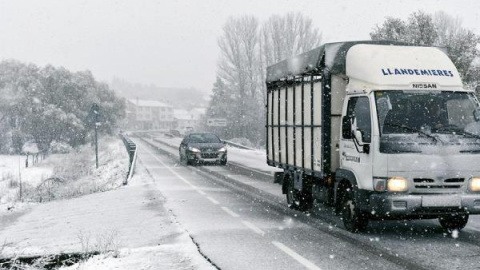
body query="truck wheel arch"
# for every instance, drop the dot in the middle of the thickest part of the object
(343, 178)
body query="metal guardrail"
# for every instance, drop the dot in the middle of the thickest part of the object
(237, 145)
(132, 154)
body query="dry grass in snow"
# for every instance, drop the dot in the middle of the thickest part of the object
(62, 176)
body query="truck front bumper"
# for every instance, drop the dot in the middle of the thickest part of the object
(385, 205)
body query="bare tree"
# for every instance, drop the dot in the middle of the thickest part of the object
(461, 44)
(246, 51)
(285, 36)
(238, 69)
(446, 26)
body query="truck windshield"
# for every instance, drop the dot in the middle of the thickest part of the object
(427, 114)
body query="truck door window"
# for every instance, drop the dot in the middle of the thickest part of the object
(359, 109)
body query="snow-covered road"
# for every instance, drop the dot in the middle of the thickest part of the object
(409, 244)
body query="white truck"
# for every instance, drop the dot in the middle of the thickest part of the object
(377, 129)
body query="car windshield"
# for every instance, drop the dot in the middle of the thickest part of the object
(432, 112)
(204, 138)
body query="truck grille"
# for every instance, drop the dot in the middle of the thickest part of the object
(427, 184)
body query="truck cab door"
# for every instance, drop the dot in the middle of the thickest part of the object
(355, 154)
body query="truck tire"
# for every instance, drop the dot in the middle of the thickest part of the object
(453, 222)
(354, 220)
(298, 200)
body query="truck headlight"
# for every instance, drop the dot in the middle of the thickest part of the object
(223, 149)
(475, 184)
(397, 184)
(194, 150)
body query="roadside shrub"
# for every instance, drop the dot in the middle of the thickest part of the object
(60, 148)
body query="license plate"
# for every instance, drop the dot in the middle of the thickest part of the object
(441, 201)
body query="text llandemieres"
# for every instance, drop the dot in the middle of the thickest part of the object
(418, 72)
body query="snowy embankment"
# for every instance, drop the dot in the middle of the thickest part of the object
(128, 225)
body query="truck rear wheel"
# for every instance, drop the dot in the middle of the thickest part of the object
(454, 222)
(298, 200)
(354, 220)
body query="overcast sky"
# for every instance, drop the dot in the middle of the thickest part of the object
(173, 43)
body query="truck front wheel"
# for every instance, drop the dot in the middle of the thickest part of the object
(354, 220)
(454, 222)
(298, 200)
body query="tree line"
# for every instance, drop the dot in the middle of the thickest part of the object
(247, 47)
(49, 104)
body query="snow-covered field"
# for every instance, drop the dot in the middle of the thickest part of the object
(13, 173)
(61, 175)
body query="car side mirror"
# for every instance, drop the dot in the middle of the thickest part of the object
(476, 114)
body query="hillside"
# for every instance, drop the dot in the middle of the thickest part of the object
(178, 97)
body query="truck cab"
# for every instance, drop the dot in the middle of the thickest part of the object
(410, 135)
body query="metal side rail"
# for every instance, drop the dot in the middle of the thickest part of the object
(132, 154)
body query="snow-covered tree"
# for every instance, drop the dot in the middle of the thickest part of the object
(50, 104)
(391, 29)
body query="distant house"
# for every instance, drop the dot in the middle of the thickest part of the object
(149, 114)
(185, 119)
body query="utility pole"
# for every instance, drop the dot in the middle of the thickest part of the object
(96, 112)
(96, 143)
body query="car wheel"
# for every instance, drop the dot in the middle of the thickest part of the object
(223, 162)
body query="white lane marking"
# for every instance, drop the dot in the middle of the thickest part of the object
(230, 212)
(308, 264)
(170, 169)
(201, 192)
(253, 227)
(213, 200)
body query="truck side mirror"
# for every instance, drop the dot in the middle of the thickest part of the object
(347, 127)
(358, 136)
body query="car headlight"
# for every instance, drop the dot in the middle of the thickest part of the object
(223, 149)
(397, 184)
(475, 184)
(194, 150)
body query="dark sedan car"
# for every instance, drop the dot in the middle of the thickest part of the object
(202, 147)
